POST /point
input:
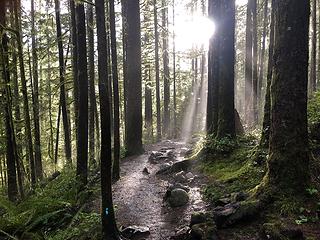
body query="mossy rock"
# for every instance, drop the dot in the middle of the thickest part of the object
(204, 231)
(183, 165)
(278, 231)
(200, 217)
(247, 211)
(235, 213)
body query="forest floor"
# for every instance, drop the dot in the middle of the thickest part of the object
(138, 195)
(218, 183)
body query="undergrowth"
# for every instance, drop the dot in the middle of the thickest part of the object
(231, 166)
(54, 206)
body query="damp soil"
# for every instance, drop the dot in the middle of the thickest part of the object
(138, 196)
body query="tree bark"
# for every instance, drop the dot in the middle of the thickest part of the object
(248, 63)
(156, 51)
(313, 65)
(166, 71)
(226, 120)
(66, 127)
(264, 141)
(174, 73)
(26, 111)
(11, 150)
(74, 64)
(109, 226)
(37, 142)
(134, 96)
(115, 80)
(92, 97)
(213, 69)
(288, 163)
(82, 141)
(254, 62)
(263, 50)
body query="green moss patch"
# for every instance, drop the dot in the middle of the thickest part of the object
(233, 171)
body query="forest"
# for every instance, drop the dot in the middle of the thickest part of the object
(160, 119)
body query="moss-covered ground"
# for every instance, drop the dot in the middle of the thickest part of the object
(239, 166)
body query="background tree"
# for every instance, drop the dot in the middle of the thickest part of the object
(109, 226)
(134, 96)
(156, 52)
(63, 101)
(36, 115)
(115, 80)
(82, 140)
(11, 149)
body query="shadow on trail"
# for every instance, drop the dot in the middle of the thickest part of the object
(138, 196)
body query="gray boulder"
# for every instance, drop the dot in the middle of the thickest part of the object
(178, 197)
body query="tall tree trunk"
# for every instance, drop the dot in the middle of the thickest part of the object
(82, 146)
(213, 69)
(254, 62)
(248, 64)
(26, 111)
(92, 97)
(37, 142)
(17, 112)
(174, 73)
(66, 127)
(109, 226)
(264, 141)
(263, 50)
(51, 138)
(57, 135)
(318, 52)
(156, 42)
(11, 153)
(166, 72)
(124, 11)
(134, 96)
(288, 163)
(313, 66)
(74, 64)
(226, 120)
(115, 80)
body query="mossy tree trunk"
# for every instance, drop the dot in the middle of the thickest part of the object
(288, 163)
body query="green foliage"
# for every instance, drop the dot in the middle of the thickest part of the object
(220, 146)
(83, 226)
(313, 108)
(49, 208)
(312, 191)
(233, 173)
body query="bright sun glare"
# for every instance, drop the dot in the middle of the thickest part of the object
(241, 2)
(193, 32)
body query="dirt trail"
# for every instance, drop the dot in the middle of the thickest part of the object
(139, 196)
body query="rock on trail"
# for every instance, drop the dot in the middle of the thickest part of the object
(139, 194)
